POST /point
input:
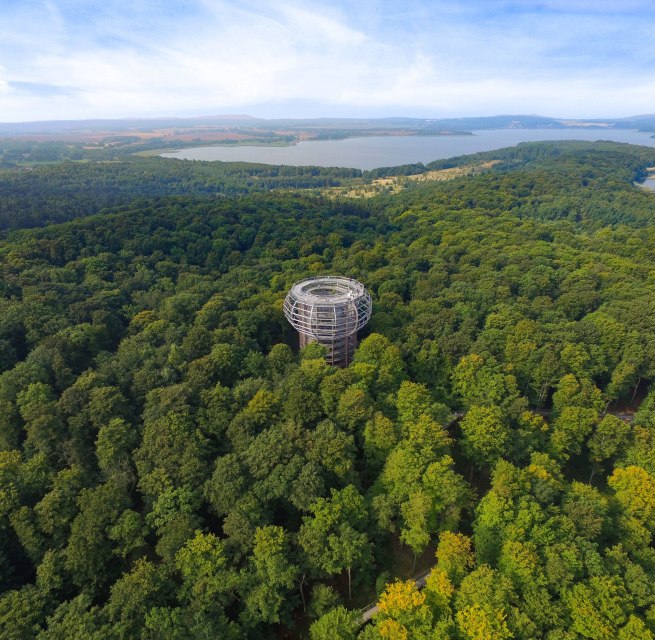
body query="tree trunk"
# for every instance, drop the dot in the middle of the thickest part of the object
(302, 593)
(634, 393)
(542, 393)
(349, 589)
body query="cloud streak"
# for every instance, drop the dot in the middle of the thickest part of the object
(77, 59)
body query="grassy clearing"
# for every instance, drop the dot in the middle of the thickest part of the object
(396, 184)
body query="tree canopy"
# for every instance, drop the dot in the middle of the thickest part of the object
(171, 466)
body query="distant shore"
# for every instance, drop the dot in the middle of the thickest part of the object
(649, 182)
(293, 143)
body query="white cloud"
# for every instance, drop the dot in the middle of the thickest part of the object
(220, 56)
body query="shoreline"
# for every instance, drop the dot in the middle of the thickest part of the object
(367, 152)
(650, 177)
(295, 143)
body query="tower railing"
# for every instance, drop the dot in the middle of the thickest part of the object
(329, 310)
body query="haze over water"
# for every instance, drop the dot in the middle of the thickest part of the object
(386, 151)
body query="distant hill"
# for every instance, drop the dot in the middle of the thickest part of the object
(122, 124)
(246, 122)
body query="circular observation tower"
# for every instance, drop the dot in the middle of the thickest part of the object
(329, 310)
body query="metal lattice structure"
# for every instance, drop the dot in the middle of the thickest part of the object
(329, 310)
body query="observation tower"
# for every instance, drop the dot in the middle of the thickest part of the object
(329, 310)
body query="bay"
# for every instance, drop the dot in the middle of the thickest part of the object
(387, 151)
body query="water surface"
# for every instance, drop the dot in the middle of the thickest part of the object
(388, 151)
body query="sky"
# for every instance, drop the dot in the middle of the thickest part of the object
(78, 59)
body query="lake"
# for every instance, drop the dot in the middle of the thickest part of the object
(388, 151)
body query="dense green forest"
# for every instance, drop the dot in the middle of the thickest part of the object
(34, 196)
(172, 467)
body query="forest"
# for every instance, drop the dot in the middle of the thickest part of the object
(172, 466)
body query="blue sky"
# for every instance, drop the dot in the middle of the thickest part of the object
(69, 59)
